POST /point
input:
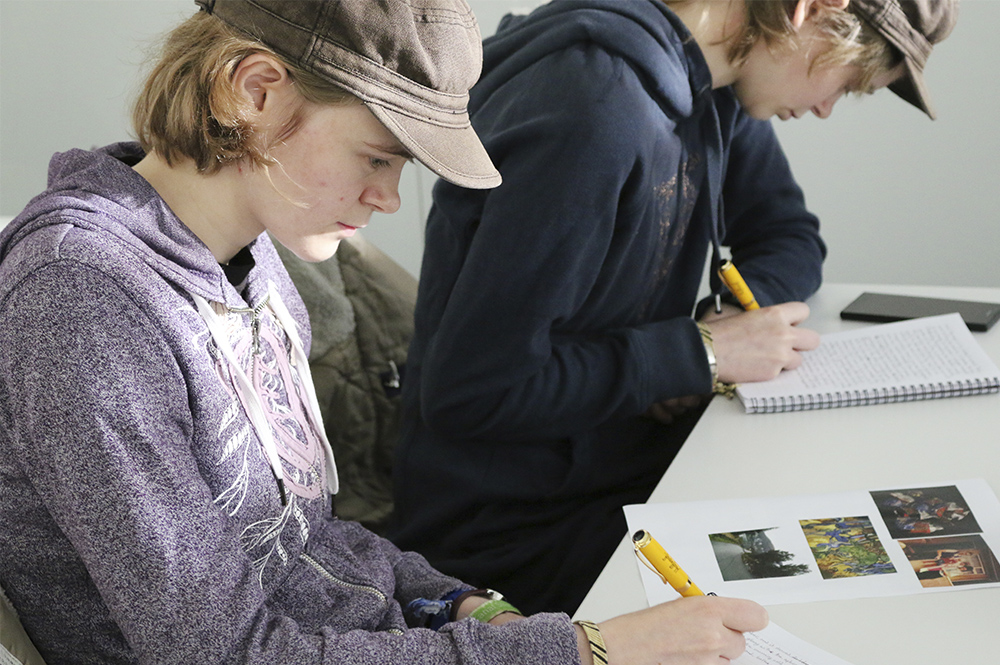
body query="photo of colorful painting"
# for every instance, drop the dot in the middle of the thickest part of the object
(951, 561)
(756, 554)
(846, 547)
(925, 511)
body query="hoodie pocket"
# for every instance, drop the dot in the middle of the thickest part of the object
(317, 595)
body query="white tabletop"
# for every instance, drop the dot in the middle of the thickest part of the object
(732, 455)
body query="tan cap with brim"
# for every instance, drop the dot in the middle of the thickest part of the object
(412, 62)
(912, 27)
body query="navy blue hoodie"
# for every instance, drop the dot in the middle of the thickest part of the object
(555, 309)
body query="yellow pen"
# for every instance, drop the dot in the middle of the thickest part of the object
(734, 282)
(657, 560)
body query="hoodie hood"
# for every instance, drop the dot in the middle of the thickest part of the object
(648, 35)
(98, 189)
(656, 45)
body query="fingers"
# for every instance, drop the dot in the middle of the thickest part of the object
(757, 345)
(794, 312)
(661, 413)
(683, 632)
(735, 646)
(745, 615)
(667, 410)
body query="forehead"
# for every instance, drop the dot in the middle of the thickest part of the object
(354, 122)
(381, 138)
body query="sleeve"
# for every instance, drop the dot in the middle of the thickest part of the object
(511, 355)
(774, 239)
(102, 422)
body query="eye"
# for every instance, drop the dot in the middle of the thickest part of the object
(379, 163)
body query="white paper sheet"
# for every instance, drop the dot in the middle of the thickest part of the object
(776, 646)
(951, 532)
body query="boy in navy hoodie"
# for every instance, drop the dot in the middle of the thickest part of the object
(559, 345)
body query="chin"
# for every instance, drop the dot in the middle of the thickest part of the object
(315, 251)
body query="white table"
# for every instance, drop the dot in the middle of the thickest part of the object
(732, 455)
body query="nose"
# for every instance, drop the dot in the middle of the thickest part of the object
(383, 195)
(825, 108)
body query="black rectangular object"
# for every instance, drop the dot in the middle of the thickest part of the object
(885, 308)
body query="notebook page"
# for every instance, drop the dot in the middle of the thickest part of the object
(927, 351)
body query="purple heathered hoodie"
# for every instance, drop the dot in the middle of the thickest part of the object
(140, 513)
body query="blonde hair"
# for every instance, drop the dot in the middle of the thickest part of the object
(853, 41)
(189, 108)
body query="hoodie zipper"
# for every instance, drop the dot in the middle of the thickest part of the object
(254, 313)
(325, 574)
(348, 585)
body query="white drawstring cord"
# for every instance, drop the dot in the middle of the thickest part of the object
(255, 409)
(301, 362)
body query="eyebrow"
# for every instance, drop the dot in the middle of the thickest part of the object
(392, 149)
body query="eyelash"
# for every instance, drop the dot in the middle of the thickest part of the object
(379, 163)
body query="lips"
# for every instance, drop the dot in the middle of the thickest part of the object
(348, 228)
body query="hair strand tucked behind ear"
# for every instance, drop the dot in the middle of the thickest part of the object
(189, 107)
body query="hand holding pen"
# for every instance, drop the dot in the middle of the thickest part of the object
(757, 344)
(693, 629)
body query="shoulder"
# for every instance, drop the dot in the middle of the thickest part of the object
(62, 247)
(581, 100)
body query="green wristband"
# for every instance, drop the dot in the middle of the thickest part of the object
(491, 609)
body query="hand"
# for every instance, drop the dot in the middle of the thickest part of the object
(727, 311)
(667, 410)
(688, 631)
(757, 345)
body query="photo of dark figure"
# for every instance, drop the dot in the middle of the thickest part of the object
(746, 555)
(926, 511)
(952, 561)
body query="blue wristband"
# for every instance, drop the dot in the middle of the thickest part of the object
(433, 613)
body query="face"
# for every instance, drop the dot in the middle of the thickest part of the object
(340, 165)
(781, 84)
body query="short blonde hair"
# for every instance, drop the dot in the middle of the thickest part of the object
(853, 41)
(189, 108)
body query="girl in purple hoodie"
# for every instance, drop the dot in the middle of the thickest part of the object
(165, 479)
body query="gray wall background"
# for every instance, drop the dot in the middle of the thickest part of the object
(902, 199)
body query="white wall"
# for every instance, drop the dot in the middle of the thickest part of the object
(902, 199)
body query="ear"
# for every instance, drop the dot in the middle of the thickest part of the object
(261, 80)
(806, 9)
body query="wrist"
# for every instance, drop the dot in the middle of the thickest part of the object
(718, 387)
(583, 646)
(485, 605)
(590, 643)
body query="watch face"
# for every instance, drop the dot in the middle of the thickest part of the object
(491, 594)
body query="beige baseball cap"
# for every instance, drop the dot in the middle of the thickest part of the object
(412, 62)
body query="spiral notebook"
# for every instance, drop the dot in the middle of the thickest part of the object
(924, 358)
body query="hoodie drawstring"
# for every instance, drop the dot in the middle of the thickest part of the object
(713, 143)
(252, 400)
(301, 363)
